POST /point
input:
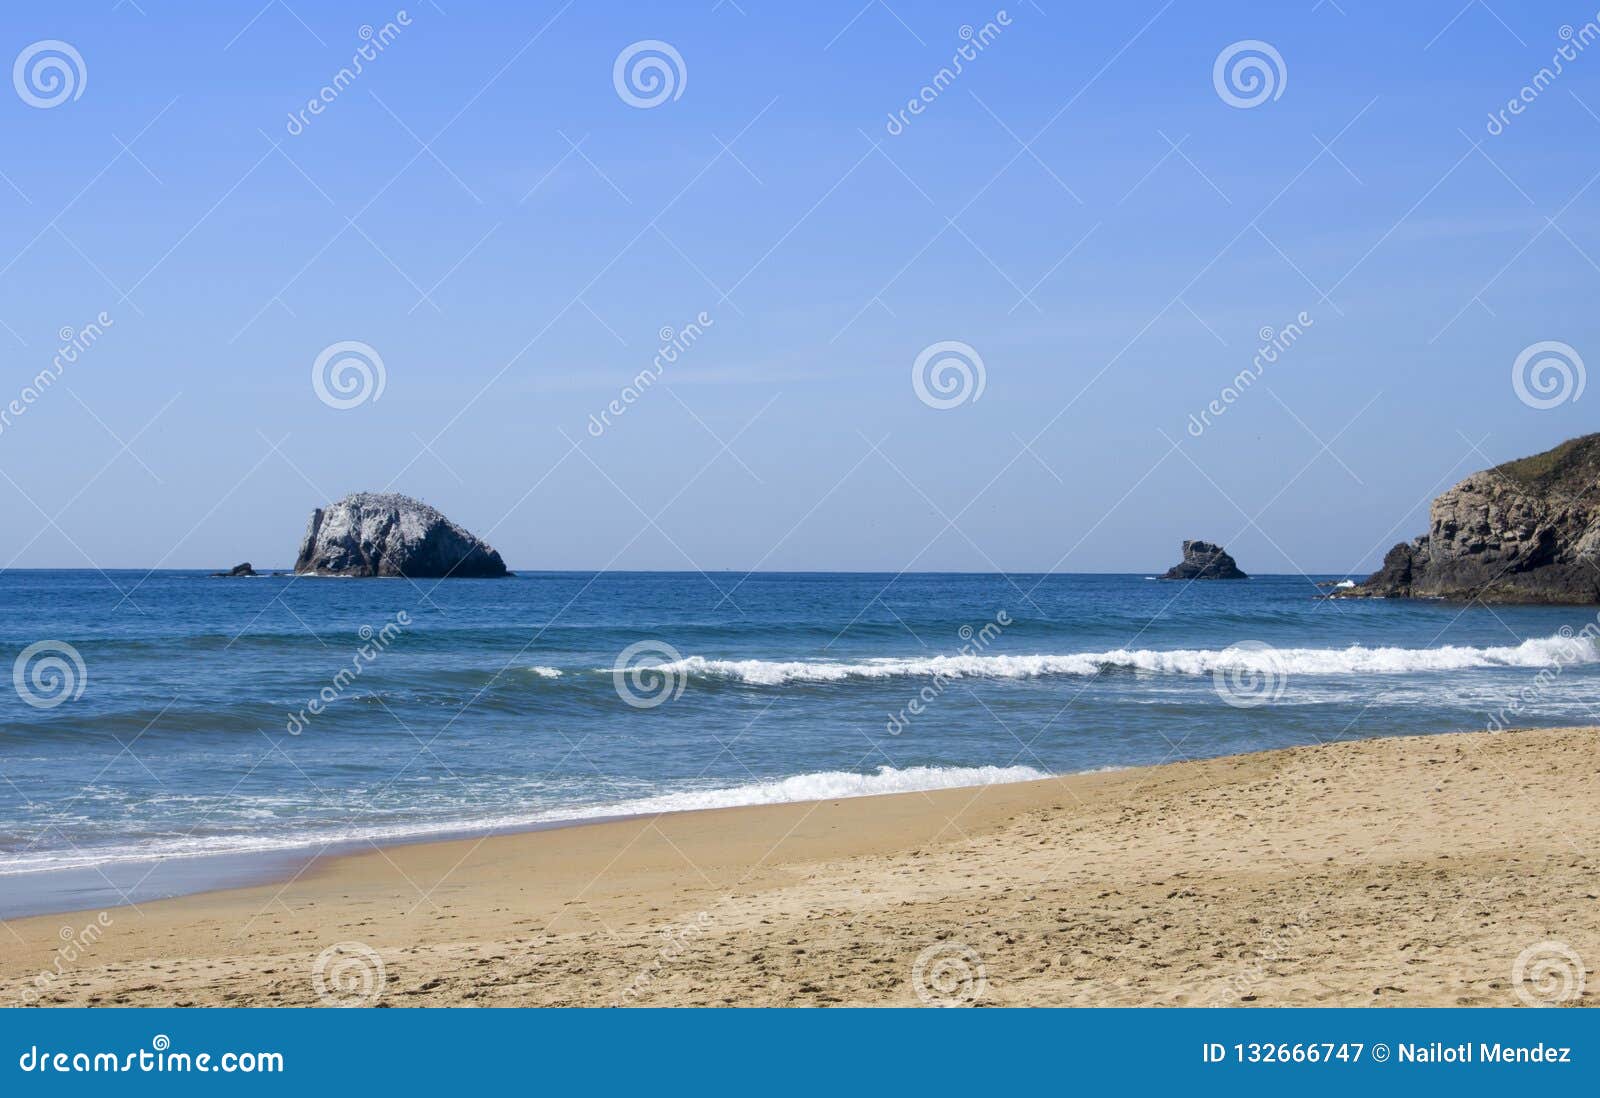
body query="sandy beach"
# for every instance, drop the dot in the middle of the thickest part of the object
(1403, 871)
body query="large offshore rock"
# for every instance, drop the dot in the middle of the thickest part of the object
(385, 534)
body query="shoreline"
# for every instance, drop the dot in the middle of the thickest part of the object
(273, 864)
(1405, 869)
(238, 868)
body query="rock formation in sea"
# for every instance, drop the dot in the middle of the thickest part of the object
(385, 534)
(238, 570)
(1527, 531)
(1205, 561)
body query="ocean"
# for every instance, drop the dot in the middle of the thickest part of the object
(169, 731)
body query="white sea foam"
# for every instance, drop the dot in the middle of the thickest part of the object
(826, 785)
(820, 786)
(1354, 660)
(546, 672)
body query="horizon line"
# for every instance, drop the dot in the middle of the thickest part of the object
(271, 572)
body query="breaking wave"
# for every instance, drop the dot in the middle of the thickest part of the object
(1353, 660)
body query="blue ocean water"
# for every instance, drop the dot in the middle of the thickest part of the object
(165, 716)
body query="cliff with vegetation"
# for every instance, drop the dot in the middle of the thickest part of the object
(1527, 531)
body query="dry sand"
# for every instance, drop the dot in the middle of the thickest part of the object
(1405, 871)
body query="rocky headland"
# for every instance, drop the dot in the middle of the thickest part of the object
(1522, 532)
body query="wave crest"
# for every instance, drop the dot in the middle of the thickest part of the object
(1353, 660)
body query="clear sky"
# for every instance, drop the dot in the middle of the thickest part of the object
(1080, 205)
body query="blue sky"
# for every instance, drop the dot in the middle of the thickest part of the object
(1080, 206)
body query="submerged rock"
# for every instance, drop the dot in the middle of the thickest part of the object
(386, 534)
(1205, 561)
(1526, 531)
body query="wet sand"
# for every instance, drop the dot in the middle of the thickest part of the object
(1407, 871)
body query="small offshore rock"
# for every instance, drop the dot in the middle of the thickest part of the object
(1203, 560)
